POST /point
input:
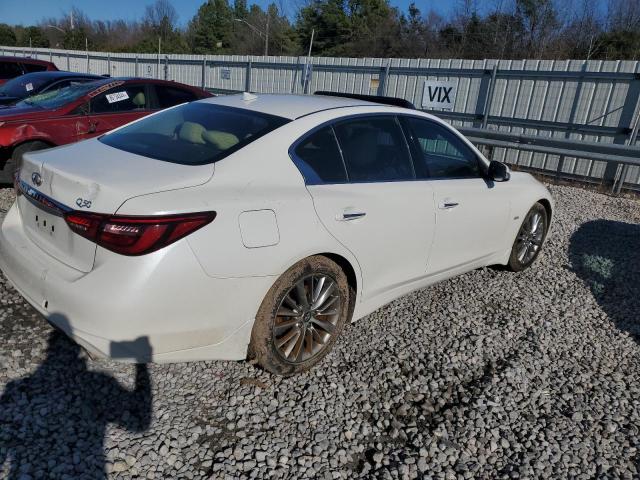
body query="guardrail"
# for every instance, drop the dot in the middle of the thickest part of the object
(624, 155)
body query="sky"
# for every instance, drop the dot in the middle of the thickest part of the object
(29, 12)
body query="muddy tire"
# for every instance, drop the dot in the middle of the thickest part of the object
(301, 317)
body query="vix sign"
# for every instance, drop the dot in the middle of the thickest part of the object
(438, 95)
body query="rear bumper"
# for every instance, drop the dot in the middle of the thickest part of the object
(160, 307)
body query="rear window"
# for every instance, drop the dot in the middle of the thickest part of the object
(9, 70)
(34, 67)
(170, 96)
(193, 134)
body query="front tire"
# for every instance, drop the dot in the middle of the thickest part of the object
(301, 317)
(529, 239)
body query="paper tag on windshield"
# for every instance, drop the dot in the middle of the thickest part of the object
(117, 97)
(29, 87)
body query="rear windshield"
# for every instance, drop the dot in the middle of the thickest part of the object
(193, 133)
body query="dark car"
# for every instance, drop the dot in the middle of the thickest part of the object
(82, 111)
(32, 84)
(11, 67)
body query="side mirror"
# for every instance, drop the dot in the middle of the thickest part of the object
(498, 171)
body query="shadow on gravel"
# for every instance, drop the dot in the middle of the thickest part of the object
(606, 255)
(52, 423)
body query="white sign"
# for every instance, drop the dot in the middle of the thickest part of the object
(439, 94)
(225, 74)
(29, 86)
(117, 97)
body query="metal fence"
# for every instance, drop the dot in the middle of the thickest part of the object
(590, 102)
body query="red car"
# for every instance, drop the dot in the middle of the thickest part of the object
(82, 111)
(11, 67)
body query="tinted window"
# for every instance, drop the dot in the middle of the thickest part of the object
(374, 150)
(29, 67)
(441, 153)
(170, 96)
(194, 133)
(123, 98)
(319, 160)
(9, 70)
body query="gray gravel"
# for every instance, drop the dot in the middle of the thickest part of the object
(489, 375)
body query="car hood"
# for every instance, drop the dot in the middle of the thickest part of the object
(95, 177)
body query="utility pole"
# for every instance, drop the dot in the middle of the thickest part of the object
(159, 51)
(307, 72)
(266, 38)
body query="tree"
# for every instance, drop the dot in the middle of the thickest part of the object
(539, 20)
(331, 24)
(7, 35)
(210, 30)
(32, 35)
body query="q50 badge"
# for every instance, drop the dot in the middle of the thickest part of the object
(82, 203)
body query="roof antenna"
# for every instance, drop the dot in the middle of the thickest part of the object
(248, 97)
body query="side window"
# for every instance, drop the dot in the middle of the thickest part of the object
(9, 70)
(439, 152)
(30, 67)
(124, 98)
(170, 96)
(318, 158)
(374, 150)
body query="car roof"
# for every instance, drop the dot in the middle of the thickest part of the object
(24, 60)
(287, 105)
(56, 74)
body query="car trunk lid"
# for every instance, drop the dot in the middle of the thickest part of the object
(89, 177)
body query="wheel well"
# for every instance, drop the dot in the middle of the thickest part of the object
(346, 267)
(352, 279)
(35, 140)
(547, 206)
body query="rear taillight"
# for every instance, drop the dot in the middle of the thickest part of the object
(136, 235)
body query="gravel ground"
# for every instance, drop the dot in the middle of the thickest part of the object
(489, 375)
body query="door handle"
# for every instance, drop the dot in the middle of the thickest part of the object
(92, 127)
(348, 216)
(447, 204)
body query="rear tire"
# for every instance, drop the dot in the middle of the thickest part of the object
(301, 317)
(529, 240)
(13, 164)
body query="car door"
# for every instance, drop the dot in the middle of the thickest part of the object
(360, 175)
(113, 108)
(471, 211)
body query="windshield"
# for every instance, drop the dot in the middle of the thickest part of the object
(21, 87)
(193, 133)
(58, 98)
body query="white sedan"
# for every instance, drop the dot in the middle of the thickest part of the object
(257, 226)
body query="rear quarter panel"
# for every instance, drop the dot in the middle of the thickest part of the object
(261, 176)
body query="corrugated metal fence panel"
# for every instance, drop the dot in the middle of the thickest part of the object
(575, 104)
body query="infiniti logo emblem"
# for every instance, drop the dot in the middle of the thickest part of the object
(36, 179)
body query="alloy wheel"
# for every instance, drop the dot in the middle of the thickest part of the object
(530, 237)
(307, 318)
